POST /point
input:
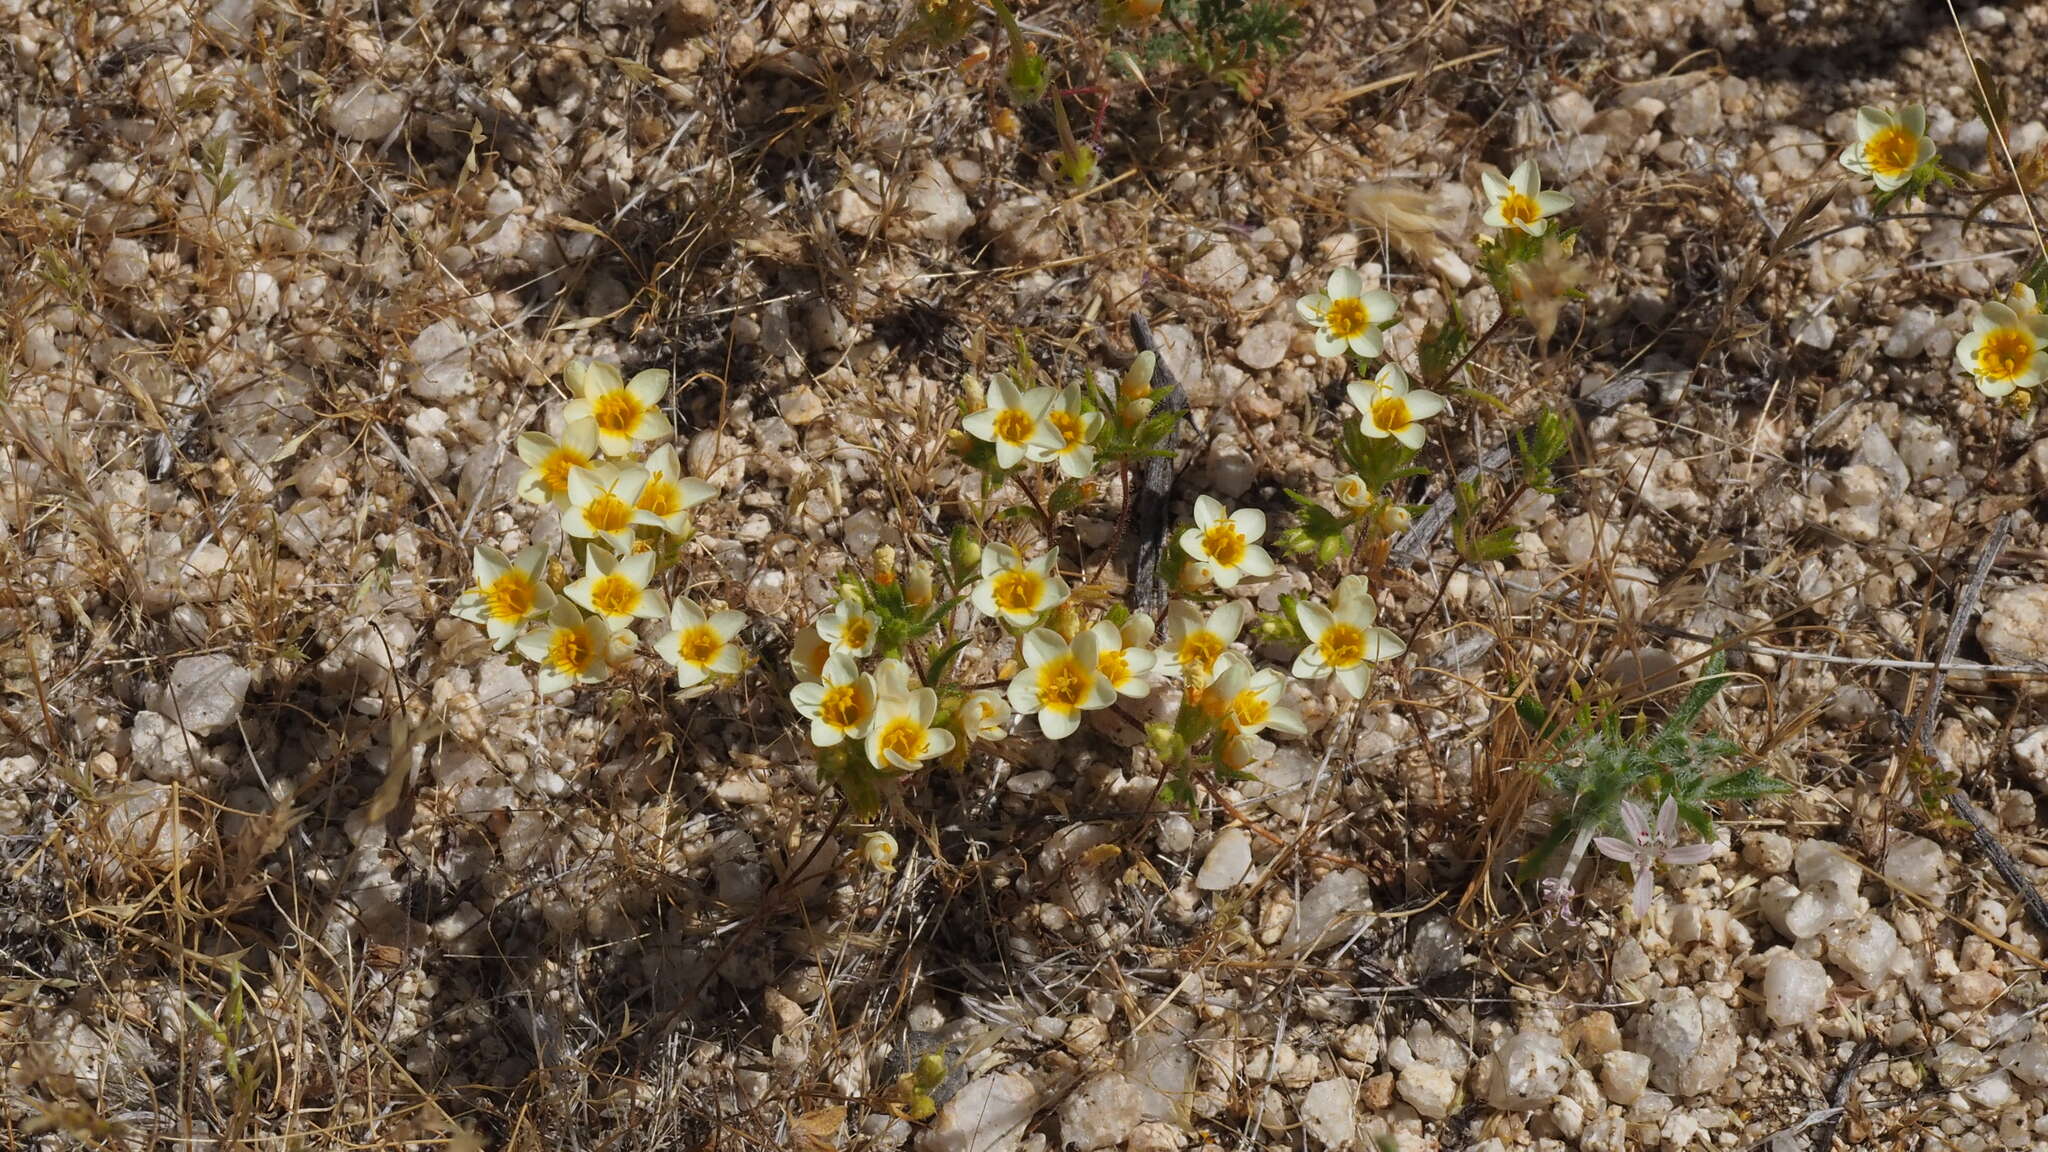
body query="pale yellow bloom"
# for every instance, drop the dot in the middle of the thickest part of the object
(1520, 201)
(985, 715)
(1890, 146)
(1389, 407)
(1194, 642)
(1059, 681)
(1246, 702)
(902, 737)
(2007, 348)
(1344, 640)
(1078, 428)
(1014, 590)
(618, 589)
(1346, 316)
(1225, 544)
(601, 505)
(879, 850)
(848, 628)
(1015, 422)
(667, 497)
(507, 593)
(840, 704)
(627, 414)
(699, 645)
(549, 462)
(1122, 656)
(572, 648)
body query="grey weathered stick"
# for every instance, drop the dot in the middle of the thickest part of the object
(1151, 497)
(1421, 536)
(1930, 711)
(1838, 1098)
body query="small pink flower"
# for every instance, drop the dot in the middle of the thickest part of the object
(1643, 848)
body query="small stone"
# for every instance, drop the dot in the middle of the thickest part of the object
(1795, 988)
(365, 110)
(440, 362)
(1915, 864)
(1624, 1075)
(1925, 448)
(1214, 262)
(1528, 1070)
(2014, 629)
(1265, 346)
(1767, 852)
(988, 1115)
(1100, 1113)
(1327, 909)
(148, 826)
(1428, 1089)
(1329, 1111)
(2028, 1061)
(1691, 1042)
(1910, 332)
(2016, 808)
(935, 208)
(204, 695)
(800, 407)
(1969, 991)
(1598, 1034)
(1228, 863)
(1864, 948)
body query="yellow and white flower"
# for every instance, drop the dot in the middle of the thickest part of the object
(627, 415)
(1225, 544)
(507, 594)
(700, 645)
(618, 589)
(1059, 681)
(1015, 422)
(879, 850)
(572, 648)
(1246, 702)
(1346, 317)
(1343, 639)
(1194, 642)
(848, 628)
(985, 715)
(1890, 146)
(1520, 201)
(549, 462)
(901, 736)
(1389, 407)
(667, 497)
(1122, 656)
(840, 704)
(1015, 591)
(2007, 348)
(1352, 492)
(601, 501)
(1078, 428)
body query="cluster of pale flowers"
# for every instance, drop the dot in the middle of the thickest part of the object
(622, 506)
(884, 709)
(2006, 350)
(1043, 425)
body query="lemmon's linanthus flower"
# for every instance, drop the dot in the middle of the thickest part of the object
(1389, 407)
(1015, 422)
(2007, 348)
(1247, 702)
(1343, 640)
(617, 589)
(1077, 429)
(1520, 202)
(1122, 656)
(1194, 641)
(549, 462)
(1225, 543)
(1347, 318)
(902, 737)
(667, 497)
(572, 648)
(879, 850)
(848, 628)
(699, 645)
(627, 414)
(840, 704)
(1645, 847)
(1351, 491)
(985, 716)
(601, 501)
(1059, 681)
(1014, 591)
(1890, 146)
(507, 594)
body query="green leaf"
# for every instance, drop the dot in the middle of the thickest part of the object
(943, 662)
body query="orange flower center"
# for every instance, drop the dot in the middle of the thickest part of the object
(2005, 354)
(570, 651)
(1068, 424)
(1062, 684)
(607, 513)
(905, 737)
(1224, 543)
(660, 497)
(510, 596)
(1892, 152)
(617, 412)
(843, 706)
(699, 645)
(1516, 208)
(614, 595)
(554, 471)
(1346, 318)
(1248, 710)
(1342, 645)
(1015, 425)
(1017, 592)
(1114, 666)
(1200, 650)
(1390, 413)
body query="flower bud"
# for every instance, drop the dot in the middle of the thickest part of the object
(884, 564)
(879, 850)
(1065, 621)
(1352, 492)
(1392, 518)
(963, 551)
(1168, 744)
(917, 586)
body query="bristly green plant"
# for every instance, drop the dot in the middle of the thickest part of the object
(1601, 761)
(1225, 39)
